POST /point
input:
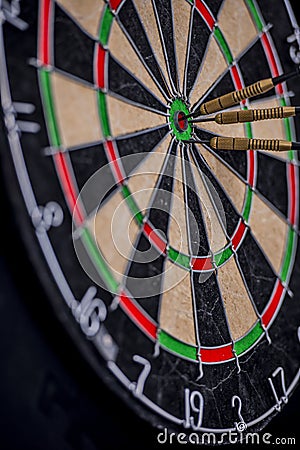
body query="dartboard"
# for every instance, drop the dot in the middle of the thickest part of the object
(174, 266)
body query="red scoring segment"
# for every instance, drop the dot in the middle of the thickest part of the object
(113, 159)
(272, 61)
(251, 167)
(138, 316)
(114, 4)
(212, 355)
(206, 14)
(68, 187)
(293, 194)
(44, 49)
(99, 67)
(182, 121)
(273, 305)
(238, 235)
(155, 238)
(237, 80)
(202, 264)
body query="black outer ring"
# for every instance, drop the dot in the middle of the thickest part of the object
(26, 247)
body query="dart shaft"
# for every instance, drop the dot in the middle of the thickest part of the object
(235, 97)
(253, 115)
(229, 143)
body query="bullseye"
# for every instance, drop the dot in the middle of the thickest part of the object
(179, 120)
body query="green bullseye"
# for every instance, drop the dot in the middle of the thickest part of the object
(180, 125)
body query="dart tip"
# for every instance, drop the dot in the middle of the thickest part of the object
(184, 117)
(194, 141)
(285, 77)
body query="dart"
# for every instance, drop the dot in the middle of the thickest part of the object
(230, 143)
(235, 97)
(251, 115)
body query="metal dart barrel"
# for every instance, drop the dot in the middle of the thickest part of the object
(251, 115)
(275, 145)
(235, 97)
(254, 115)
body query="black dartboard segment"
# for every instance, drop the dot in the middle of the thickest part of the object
(173, 265)
(76, 48)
